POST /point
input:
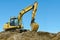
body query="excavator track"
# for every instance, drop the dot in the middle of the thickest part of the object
(16, 30)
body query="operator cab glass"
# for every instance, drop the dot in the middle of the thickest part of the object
(14, 22)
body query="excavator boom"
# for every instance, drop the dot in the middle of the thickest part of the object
(22, 13)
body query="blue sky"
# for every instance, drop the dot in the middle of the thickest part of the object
(47, 15)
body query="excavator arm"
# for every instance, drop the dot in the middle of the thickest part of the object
(34, 11)
(33, 24)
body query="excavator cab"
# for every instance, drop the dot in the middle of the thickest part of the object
(12, 24)
(14, 21)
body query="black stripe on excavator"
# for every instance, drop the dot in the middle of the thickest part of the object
(33, 20)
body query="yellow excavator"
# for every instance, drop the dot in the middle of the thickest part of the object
(16, 22)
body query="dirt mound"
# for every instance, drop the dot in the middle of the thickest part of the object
(29, 35)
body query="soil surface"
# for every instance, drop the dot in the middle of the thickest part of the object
(29, 35)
